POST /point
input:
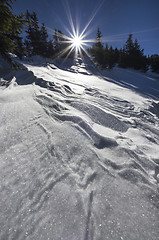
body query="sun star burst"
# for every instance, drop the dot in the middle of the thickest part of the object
(77, 42)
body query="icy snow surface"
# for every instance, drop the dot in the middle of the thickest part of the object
(79, 155)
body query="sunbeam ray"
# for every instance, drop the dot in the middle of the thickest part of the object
(75, 41)
(91, 19)
(68, 53)
(68, 12)
(62, 52)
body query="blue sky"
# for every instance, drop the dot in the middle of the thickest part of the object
(116, 19)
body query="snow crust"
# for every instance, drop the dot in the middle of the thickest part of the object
(79, 155)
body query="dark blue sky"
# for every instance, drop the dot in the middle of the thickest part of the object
(116, 18)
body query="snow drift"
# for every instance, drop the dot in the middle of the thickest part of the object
(79, 153)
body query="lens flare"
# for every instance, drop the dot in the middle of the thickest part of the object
(74, 43)
(77, 42)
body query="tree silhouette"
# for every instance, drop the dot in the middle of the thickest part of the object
(98, 49)
(43, 41)
(11, 26)
(132, 55)
(36, 39)
(155, 63)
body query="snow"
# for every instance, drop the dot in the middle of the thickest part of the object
(79, 156)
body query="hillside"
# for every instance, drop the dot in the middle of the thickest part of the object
(79, 152)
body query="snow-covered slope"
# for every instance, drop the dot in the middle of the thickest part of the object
(79, 155)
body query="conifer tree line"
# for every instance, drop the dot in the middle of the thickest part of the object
(36, 42)
(131, 55)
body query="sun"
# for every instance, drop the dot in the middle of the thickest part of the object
(76, 42)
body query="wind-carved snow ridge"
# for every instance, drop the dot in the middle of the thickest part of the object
(57, 111)
(79, 154)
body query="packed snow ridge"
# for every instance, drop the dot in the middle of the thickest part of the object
(79, 155)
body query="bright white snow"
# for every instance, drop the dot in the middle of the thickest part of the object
(79, 155)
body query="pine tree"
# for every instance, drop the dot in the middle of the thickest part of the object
(129, 45)
(155, 63)
(43, 41)
(138, 58)
(116, 55)
(19, 47)
(35, 34)
(111, 58)
(122, 58)
(134, 55)
(28, 40)
(56, 41)
(106, 55)
(50, 50)
(60, 44)
(98, 43)
(11, 26)
(98, 49)
(33, 38)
